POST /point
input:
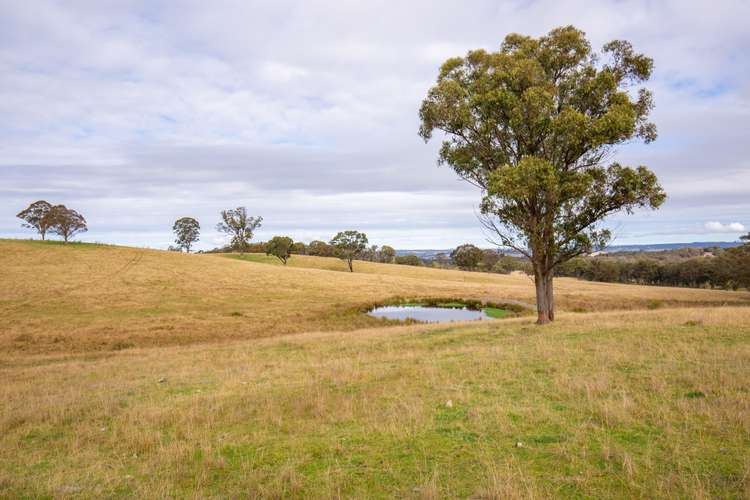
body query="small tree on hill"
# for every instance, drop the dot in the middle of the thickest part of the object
(489, 259)
(370, 253)
(236, 223)
(66, 222)
(745, 238)
(320, 249)
(349, 245)
(408, 260)
(467, 256)
(35, 216)
(532, 126)
(187, 231)
(280, 247)
(387, 254)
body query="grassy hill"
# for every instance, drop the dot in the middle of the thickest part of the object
(84, 297)
(130, 372)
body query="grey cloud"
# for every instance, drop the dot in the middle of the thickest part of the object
(142, 111)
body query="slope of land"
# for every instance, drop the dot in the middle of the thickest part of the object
(117, 379)
(600, 405)
(62, 298)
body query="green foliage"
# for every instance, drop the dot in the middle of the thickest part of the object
(467, 256)
(532, 125)
(408, 260)
(280, 247)
(320, 249)
(65, 222)
(728, 268)
(58, 219)
(35, 216)
(506, 265)
(349, 245)
(734, 267)
(387, 254)
(237, 224)
(187, 231)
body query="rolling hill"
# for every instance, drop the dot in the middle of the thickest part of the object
(129, 372)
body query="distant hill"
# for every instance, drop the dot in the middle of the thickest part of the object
(653, 247)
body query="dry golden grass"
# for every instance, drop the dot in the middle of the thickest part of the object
(118, 380)
(603, 405)
(74, 298)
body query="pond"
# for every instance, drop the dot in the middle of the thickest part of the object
(431, 314)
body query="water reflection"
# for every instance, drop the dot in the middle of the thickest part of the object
(428, 314)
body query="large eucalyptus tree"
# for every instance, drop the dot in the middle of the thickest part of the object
(533, 126)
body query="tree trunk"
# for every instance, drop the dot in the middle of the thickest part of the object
(551, 297)
(545, 307)
(351, 269)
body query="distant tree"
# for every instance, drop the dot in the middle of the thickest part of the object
(187, 231)
(280, 247)
(441, 260)
(299, 248)
(66, 222)
(745, 238)
(489, 259)
(532, 126)
(467, 256)
(372, 254)
(236, 223)
(733, 267)
(387, 254)
(35, 217)
(408, 260)
(320, 249)
(256, 247)
(507, 264)
(349, 245)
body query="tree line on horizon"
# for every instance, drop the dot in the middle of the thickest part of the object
(350, 245)
(240, 227)
(689, 267)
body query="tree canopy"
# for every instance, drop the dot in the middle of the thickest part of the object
(387, 254)
(35, 216)
(187, 231)
(236, 223)
(66, 222)
(349, 245)
(533, 126)
(280, 247)
(467, 256)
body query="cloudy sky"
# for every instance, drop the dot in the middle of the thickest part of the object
(137, 113)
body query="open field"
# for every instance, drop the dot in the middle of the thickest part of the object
(83, 297)
(126, 372)
(644, 404)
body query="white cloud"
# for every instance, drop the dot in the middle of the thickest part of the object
(718, 227)
(306, 111)
(281, 73)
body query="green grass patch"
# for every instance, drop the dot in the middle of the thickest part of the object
(494, 312)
